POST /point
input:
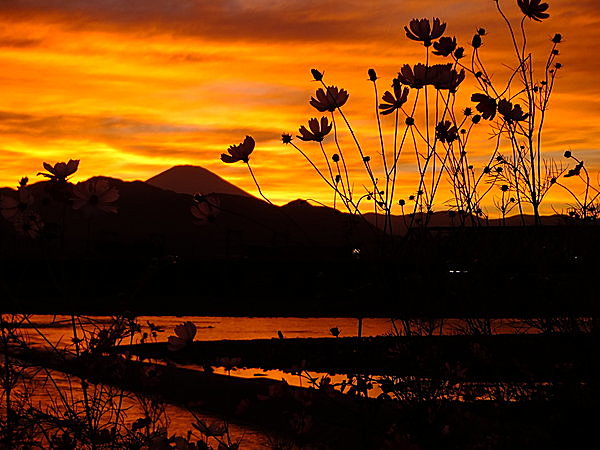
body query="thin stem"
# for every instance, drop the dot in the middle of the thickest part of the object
(256, 183)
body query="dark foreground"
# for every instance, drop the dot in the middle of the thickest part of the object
(534, 391)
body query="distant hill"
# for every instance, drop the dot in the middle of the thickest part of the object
(192, 179)
(158, 220)
(400, 224)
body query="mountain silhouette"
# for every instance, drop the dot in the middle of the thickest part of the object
(154, 220)
(189, 179)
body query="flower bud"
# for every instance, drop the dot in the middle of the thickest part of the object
(318, 76)
(372, 74)
(459, 53)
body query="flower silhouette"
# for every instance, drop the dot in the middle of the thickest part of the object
(445, 46)
(12, 208)
(184, 335)
(446, 132)
(94, 196)
(239, 152)
(416, 77)
(393, 101)
(421, 30)
(60, 171)
(486, 105)
(318, 130)
(575, 171)
(440, 76)
(29, 224)
(206, 208)
(534, 9)
(511, 113)
(329, 101)
(443, 77)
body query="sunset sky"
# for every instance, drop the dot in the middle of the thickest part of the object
(134, 87)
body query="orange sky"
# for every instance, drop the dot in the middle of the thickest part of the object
(132, 88)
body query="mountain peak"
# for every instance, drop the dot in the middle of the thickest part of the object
(188, 179)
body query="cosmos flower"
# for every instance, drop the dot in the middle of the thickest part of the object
(421, 30)
(511, 113)
(184, 335)
(486, 105)
(206, 208)
(415, 77)
(446, 132)
(29, 224)
(60, 171)
(459, 53)
(94, 196)
(445, 46)
(443, 77)
(329, 101)
(11, 208)
(240, 152)
(318, 130)
(534, 9)
(575, 171)
(393, 101)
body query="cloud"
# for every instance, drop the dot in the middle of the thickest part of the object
(19, 43)
(250, 20)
